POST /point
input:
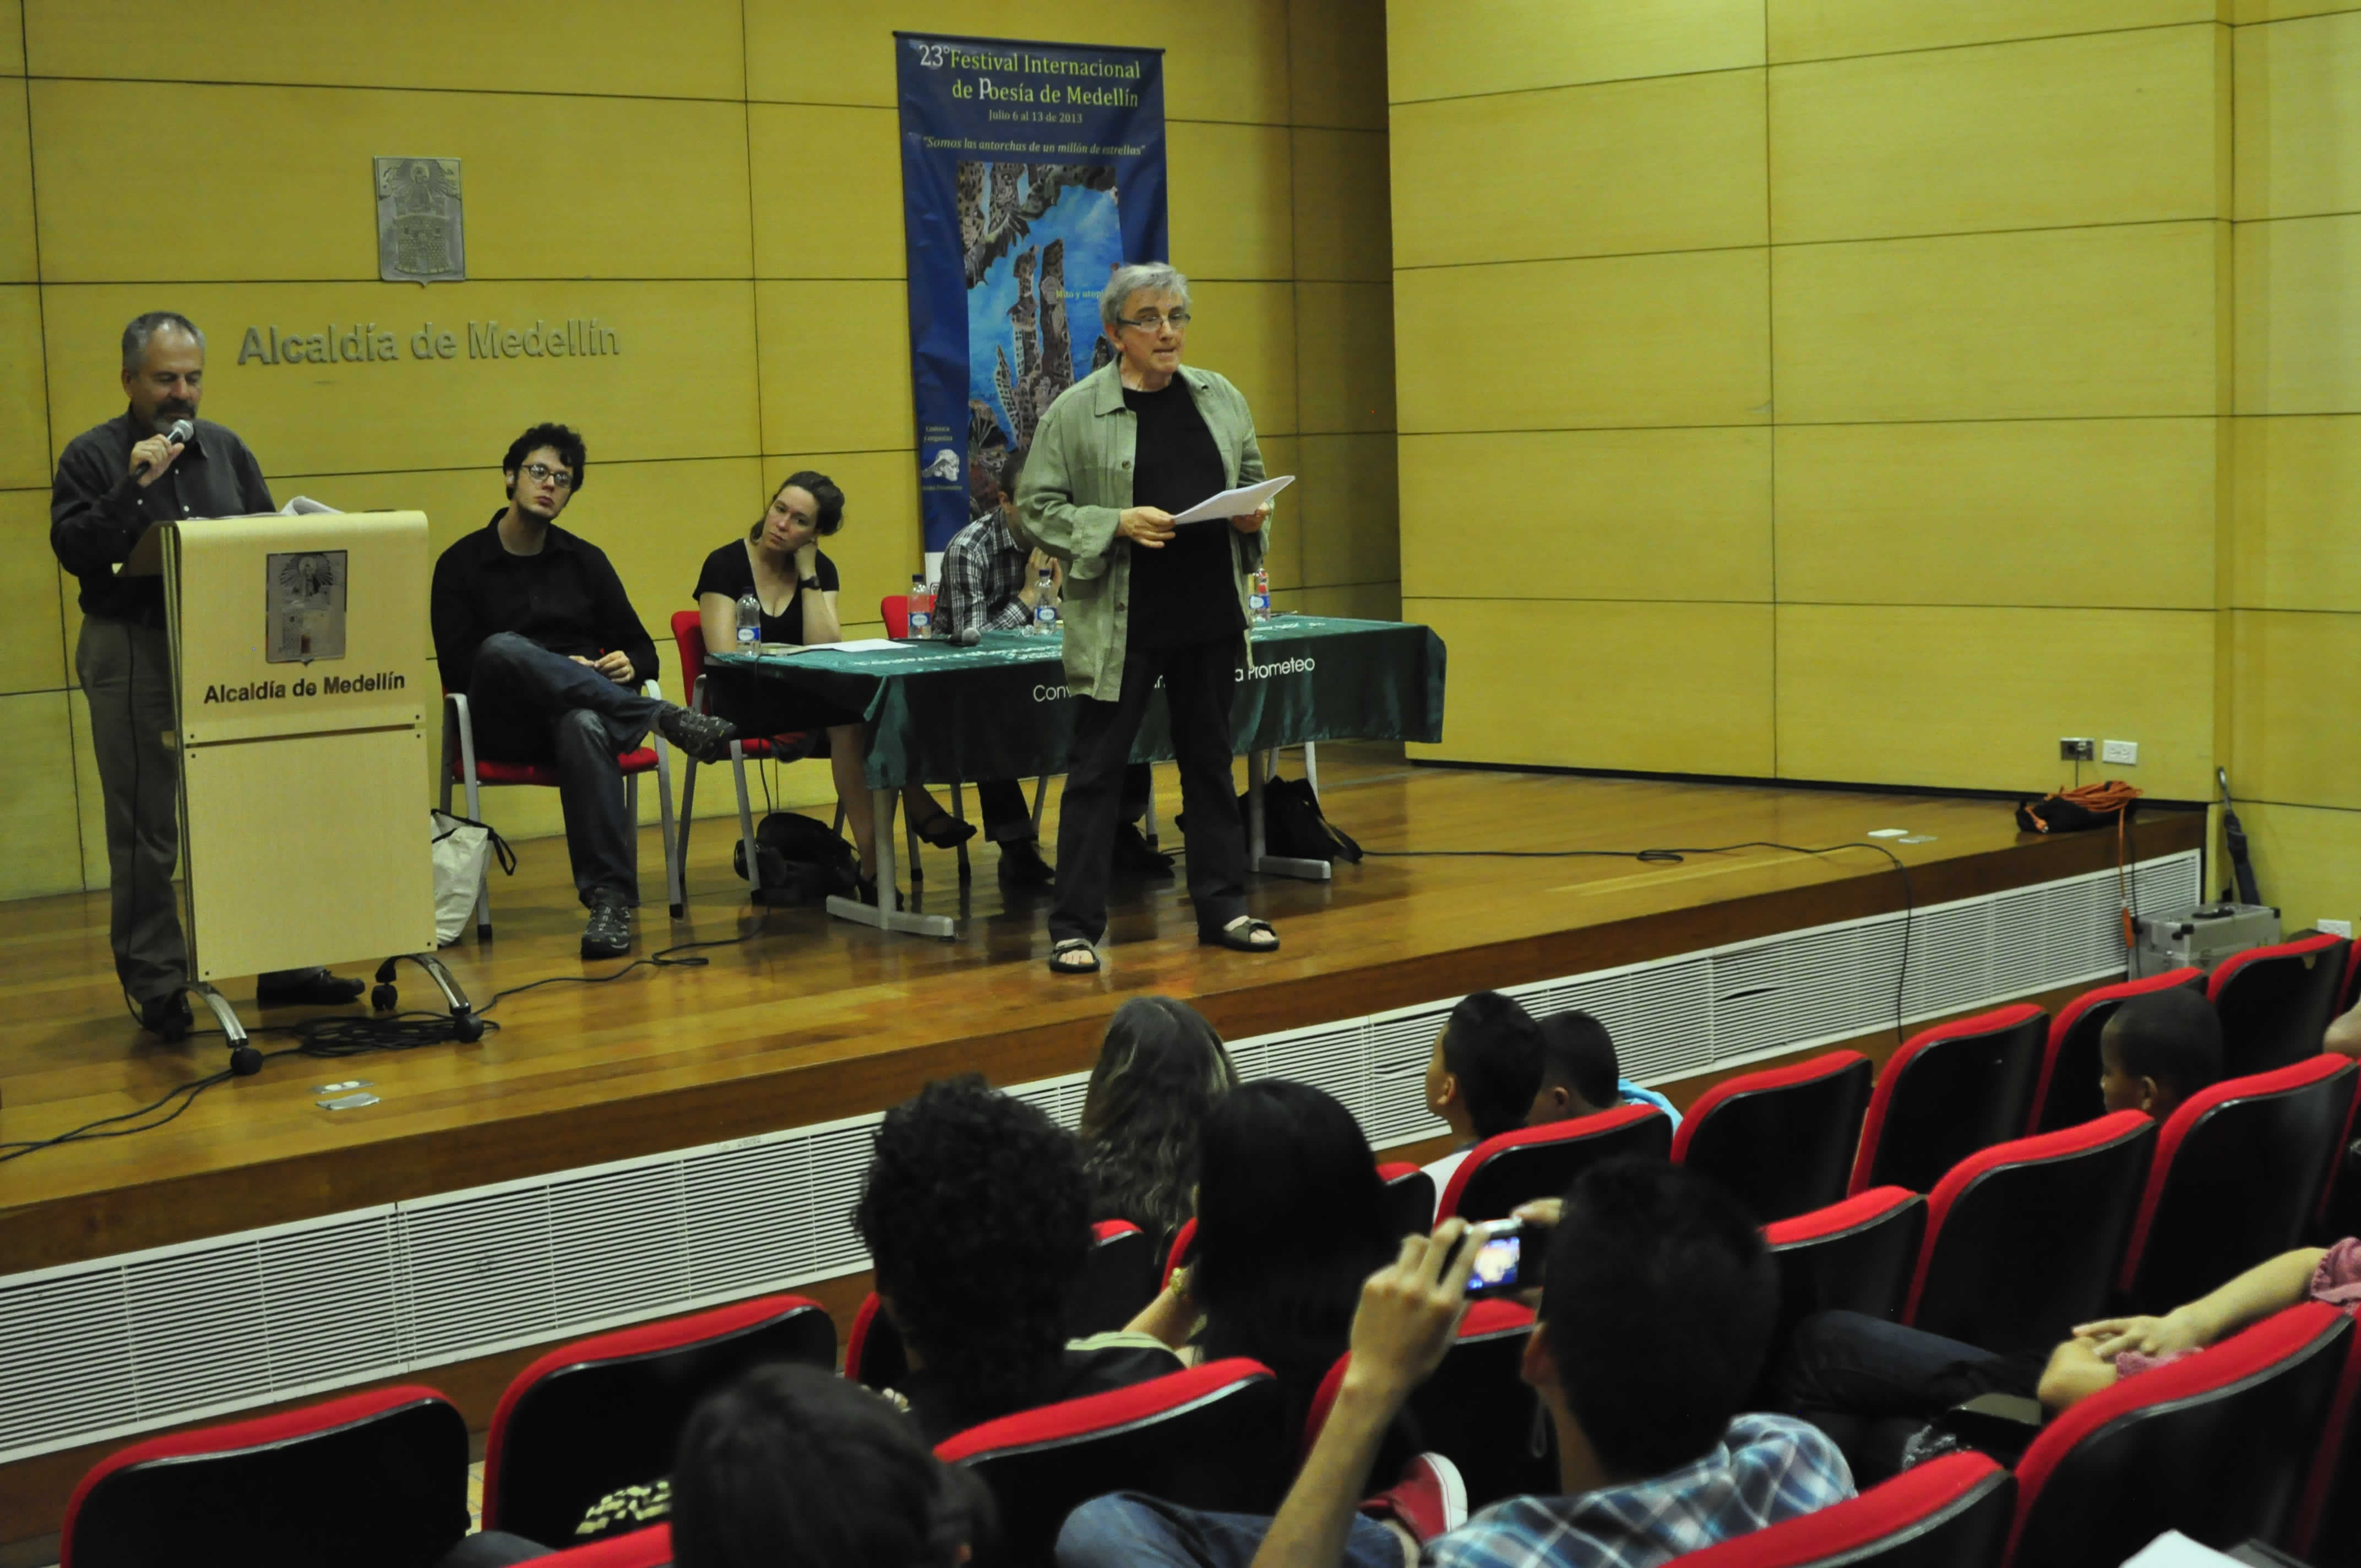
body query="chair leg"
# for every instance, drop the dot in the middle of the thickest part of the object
(910, 833)
(1040, 796)
(959, 809)
(484, 881)
(675, 896)
(680, 835)
(746, 819)
(1148, 823)
(1312, 766)
(631, 812)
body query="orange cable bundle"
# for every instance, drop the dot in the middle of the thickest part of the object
(2089, 806)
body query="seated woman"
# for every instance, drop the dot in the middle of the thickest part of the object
(1162, 1070)
(1290, 1219)
(779, 562)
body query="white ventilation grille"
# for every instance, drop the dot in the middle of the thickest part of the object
(99, 1351)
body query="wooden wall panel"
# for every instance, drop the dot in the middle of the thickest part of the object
(2299, 129)
(2297, 725)
(813, 333)
(38, 812)
(1343, 523)
(686, 51)
(2299, 317)
(1344, 222)
(1652, 687)
(2304, 858)
(1336, 62)
(32, 645)
(16, 246)
(555, 187)
(2299, 491)
(1247, 330)
(1604, 514)
(1621, 341)
(1453, 49)
(1344, 358)
(2245, 11)
(1231, 201)
(1941, 697)
(827, 192)
(2115, 127)
(24, 392)
(1302, 508)
(682, 384)
(12, 38)
(2062, 324)
(2070, 512)
(1819, 30)
(1675, 163)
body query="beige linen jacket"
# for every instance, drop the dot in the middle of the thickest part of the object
(1077, 483)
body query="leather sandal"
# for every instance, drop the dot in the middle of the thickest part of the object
(1239, 936)
(1066, 950)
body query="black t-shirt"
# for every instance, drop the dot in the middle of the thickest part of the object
(729, 572)
(1086, 1368)
(1186, 592)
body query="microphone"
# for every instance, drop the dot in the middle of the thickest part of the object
(968, 637)
(177, 435)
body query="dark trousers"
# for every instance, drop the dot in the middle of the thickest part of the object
(529, 704)
(1869, 1384)
(1199, 682)
(126, 673)
(1008, 820)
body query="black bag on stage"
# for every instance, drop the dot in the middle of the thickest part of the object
(801, 861)
(1292, 825)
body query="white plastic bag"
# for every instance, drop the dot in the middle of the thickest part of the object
(463, 849)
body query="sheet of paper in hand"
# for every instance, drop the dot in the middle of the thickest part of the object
(1234, 503)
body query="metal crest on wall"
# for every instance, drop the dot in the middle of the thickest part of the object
(420, 235)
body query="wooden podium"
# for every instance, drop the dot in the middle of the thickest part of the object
(301, 688)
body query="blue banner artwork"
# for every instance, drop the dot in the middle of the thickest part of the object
(1029, 171)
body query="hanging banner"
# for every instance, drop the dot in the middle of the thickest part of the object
(1029, 171)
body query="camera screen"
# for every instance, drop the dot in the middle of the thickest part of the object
(1495, 1265)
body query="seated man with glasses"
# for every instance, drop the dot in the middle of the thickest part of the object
(532, 623)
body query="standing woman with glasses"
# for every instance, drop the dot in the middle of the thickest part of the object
(1114, 457)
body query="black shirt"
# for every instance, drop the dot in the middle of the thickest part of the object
(1188, 591)
(97, 511)
(729, 572)
(566, 598)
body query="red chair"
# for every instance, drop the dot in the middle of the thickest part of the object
(1186, 1237)
(279, 1491)
(1949, 1091)
(2328, 1522)
(461, 766)
(2067, 1093)
(1951, 1512)
(649, 1548)
(688, 636)
(1856, 1256)
(873, 1355)
(1542, 1162)
(2024, 1239)
(1780, 1139)
(2240, 1172)
(2276, 1002)
(591, 1418)
(1410, 1191)
(1213, 1436)
(2216, 1445)
(1476, 1410)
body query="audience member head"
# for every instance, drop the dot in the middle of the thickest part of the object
(2158, 1049)
(1579, 1072)
(1161, 1072)
(794, 1465)
(1486, 1066)
(977, 1218)
(1290, 1219)
(806, 507)
(1658, 1297)
(560, 455)
(164, 370)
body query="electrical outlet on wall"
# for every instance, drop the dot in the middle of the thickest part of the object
(2124, 751)
(2335, 928)
(2074, 748)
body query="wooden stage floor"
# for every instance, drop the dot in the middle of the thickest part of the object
(811, 1019)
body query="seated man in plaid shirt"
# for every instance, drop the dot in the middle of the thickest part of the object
(1657, 1306)
(991, 577)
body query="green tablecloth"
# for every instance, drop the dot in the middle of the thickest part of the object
(940, 714)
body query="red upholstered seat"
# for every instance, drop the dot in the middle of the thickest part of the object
(1949, 1091)
(873, 1350)
(2216, 1445)
(2024, 1239)
(1212, 1437)
(649, 1548)
(1182, 1240)
(1542, 1162)
(2276, 1002)
(279, 1491)
(1951, 1512)
(2328, 1520)
(1782, 1138)
(2068, 1090)
(1410, 1192)
(601, 1414)
(1855, 1255)
(2240, 1172)
(1476, 1410)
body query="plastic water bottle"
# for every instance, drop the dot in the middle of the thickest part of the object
(1045, 604)
(1259, 594)
(749, 622)
(922, 607)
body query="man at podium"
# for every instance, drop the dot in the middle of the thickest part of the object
(113, 482)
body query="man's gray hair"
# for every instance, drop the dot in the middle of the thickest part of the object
(1154, 277)
(142, 328)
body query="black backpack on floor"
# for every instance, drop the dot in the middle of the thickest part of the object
(1292, 825)
(801, 861)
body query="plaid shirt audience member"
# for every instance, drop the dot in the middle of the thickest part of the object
(983, 573)
(1766, 1469)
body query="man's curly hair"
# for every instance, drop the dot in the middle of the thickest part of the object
(977, 1216)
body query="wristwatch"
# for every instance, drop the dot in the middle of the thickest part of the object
(806, 582)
